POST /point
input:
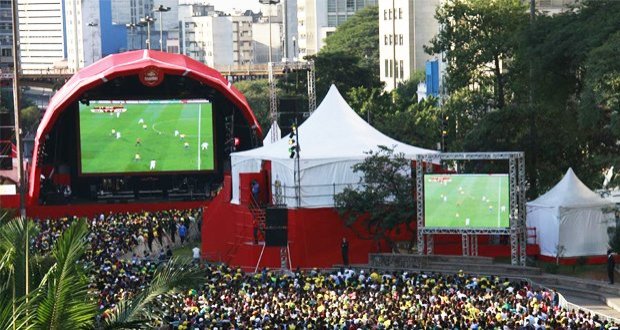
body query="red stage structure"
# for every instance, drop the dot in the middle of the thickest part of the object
(128, 64)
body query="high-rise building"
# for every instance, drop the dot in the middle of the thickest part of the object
(6, 36)
(404, 27)
(242, 44)
(83, 33)
(267, 33)
(319, 18)
(213, 38)
(42, 34)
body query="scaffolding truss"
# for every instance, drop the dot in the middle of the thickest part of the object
(517, 228)
(273, 100)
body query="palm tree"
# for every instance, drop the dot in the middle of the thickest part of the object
(60, 299)
(134, 313)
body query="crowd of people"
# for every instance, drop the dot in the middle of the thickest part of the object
(349, 299)
(125, 250)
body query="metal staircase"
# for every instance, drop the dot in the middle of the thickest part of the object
(259, 216)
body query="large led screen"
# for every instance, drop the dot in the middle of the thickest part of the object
(146, 136)
(466, 200)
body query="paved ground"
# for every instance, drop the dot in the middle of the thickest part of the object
(594, 306)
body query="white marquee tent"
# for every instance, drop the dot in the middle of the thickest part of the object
(572, 217)
(274, 132)
(332, 140)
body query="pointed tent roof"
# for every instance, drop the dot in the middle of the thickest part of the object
(274, 129)
(333, 131)
(570, 192)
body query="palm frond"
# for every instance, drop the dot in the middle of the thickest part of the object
(64, 289)
(176, 273)
(19, 318)
(14, 240)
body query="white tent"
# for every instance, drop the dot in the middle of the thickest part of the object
(570, 217)
(331, 141)
(274, 134)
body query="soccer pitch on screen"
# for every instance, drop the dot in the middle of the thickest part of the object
(466, 200)
(146, 136)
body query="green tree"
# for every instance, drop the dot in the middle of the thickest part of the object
(384, 201)
(257, 94)
(478, 40)
(358, 36)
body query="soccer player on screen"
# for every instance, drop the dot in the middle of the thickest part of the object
(141, 121)
(118, 135)
(113, 132)
(186, 145)
(138, 142)
(204, 146)
(137, 157)
(152, 165)
(182, 136)
(176, 132)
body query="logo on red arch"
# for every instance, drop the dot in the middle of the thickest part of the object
(151, 76)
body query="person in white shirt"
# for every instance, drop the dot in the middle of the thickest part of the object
(204, 146)
(141, 121)
(196, 254)
(153, 164)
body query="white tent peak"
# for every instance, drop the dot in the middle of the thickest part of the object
(334, 131)
(570, 192)
(332, 140)
(274, 129)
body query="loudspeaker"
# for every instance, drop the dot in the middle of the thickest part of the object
(6, 163)
(277, 217)
(276, 231)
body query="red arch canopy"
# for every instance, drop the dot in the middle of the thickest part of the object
(127, 64)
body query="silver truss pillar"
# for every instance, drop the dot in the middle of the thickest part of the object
(419, 189)
(522, 211)
(273, 104)
(474, 245)
(465, 244)
(311, 86)
(514, 219)
(429, 244)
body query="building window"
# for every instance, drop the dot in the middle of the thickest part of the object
(331, 6)
(387, 67)
(400, 13)
(395, 68)
(351, 5)
(385, 39)
(385, 14)
(390, 14)
(400, 39)
(391, 69)
(402, 70)
(332, 21)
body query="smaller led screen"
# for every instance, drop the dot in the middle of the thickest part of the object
(466, 200)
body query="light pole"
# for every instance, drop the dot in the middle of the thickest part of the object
(161, 9)
(148, 20)
(131, 27)
(93, 25)
(269, 2)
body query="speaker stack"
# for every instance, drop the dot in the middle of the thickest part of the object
(276, 227)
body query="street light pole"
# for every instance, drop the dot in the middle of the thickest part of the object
(131, 27)
(93, 25)
(148, 20)
(269, 2)
(161, 9)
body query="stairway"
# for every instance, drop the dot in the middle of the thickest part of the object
(259, 216)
